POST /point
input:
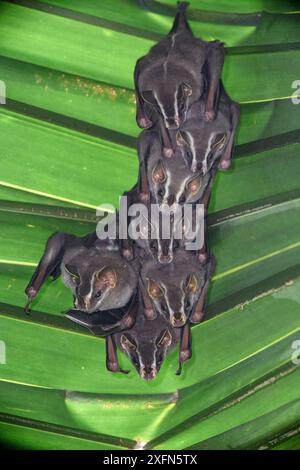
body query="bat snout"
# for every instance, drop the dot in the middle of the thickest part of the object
(178, 319)
(172, 122)
(165, 259)
(148, 372)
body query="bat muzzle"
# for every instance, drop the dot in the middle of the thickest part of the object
(178, 319)
(172, 123)
(148, 373)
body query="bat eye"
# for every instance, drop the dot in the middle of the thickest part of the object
(187, 89)
(152, 245)
(194, 185)
(154, 290)
(164, 339)
(148, 96)
(158, 173)
(191, 284)
(98, 294)
(219, 142)
(127, 343)
(160, 193)
(182, 139)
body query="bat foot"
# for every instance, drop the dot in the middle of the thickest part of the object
(113, 366)
(144, 197)
(202, 258)
(27, 307)
(150, 313)
(196, 317)
(144, 123)
(210, 115)
(127, 253)
(179, 370)
(168, 152)
(224, 165)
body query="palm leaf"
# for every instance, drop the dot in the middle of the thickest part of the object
(68, 139)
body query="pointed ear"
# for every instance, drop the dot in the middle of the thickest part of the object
(72, 270)
(165, 339)
(154, 290)
(127, 343)
(108, 277)
(148, 96)
(159, 173)
(194, 185)
(191, 283)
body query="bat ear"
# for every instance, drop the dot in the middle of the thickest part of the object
(165, 339)
(219, 141)
(127, 343)
(108, 277)
(154, 290)
(72, 270)
(148, 96)
(186, 89)
(194, 184)
(181, 139)
(159, 173)
(191, 284)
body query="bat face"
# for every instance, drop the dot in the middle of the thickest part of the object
(202, 143)
(170, 90)
(98, 280)
(175, 288)
(147, 344)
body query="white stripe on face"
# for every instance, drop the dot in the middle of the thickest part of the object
(160, 106)
(205, 165)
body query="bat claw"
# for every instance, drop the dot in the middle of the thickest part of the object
(127, 253)
(26, 308)
(144, 197)
(179, 370)
(168, 152)
(202, 258)
(210, 115)
(224, 165)
(144, 123)
(150, 313)
(196, 317)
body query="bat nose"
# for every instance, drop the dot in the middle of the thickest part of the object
(148, 373)
(178, 319)
(165, 259)
(172, 123)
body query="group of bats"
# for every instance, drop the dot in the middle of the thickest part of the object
(143, 295)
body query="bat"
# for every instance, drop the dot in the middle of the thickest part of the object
(147, 344)
(169, 182)
(175, 73)
(202, 143)
(176, 290)
(99, 278)
(164, 233)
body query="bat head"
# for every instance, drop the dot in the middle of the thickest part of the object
(175, 288)
(170, 89)
(98, 279)
(162, 233)
(147, 344)
(172, 182)
(202, 143)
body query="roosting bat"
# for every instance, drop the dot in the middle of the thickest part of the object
(177, 290)
(96, 273)
(203, 143)
(148, 343)
(175, 73)
(168, 182)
